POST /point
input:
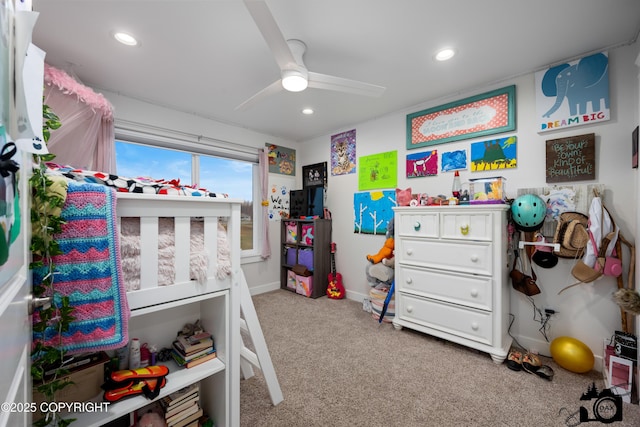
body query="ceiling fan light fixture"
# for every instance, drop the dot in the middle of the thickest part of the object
(294, 81)
(445, 54)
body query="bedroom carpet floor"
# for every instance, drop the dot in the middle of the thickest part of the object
(338, 367)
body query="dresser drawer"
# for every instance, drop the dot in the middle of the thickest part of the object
(472, 291)
(468, 257)
(466, 226)
(449, 318)
(418, 225)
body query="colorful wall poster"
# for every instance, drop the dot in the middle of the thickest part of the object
(453, 160)
(343, 153)
(279, 198)
(422, 164)
(282, 160)
(573, 94)
(372, 211)
(378, 171)
(494, 154)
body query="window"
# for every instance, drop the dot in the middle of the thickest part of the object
(235, 177)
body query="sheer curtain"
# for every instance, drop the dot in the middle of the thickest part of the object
(86, 138)
(263, 162)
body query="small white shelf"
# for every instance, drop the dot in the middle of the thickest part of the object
(176, 303)
(178, 378)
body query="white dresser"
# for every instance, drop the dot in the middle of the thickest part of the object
(451, 274)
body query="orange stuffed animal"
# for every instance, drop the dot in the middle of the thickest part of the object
(384, 253)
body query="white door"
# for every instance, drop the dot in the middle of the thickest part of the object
(15, 322)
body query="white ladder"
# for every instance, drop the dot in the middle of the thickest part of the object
(261, 359)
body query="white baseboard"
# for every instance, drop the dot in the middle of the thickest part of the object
(261, 289)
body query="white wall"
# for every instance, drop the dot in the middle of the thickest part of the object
(586, 312)
(261, 276)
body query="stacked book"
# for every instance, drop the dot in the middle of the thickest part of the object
(182, 408)
(190, 351)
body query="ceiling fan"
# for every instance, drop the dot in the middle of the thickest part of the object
(294, 76)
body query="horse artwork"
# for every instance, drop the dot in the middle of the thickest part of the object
(422, 164)
(494, 154)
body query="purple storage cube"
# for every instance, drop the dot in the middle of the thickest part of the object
(305, 257)
(291, 256)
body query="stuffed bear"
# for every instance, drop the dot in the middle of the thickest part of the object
(387, 249)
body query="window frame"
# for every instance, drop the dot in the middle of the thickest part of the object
(194, 146)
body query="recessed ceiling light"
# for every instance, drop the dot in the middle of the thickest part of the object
(307, 111)
(125, 38)
(444, 54)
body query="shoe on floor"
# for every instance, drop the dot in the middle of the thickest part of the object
(545, 372)
(531, 363)
(514, 360)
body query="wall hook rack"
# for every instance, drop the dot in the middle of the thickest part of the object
(556, 246)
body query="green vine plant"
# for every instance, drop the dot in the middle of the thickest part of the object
(48, 361)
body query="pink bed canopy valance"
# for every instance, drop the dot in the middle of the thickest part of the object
(86, 138)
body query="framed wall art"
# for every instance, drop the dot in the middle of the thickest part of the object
(571, 159)
(485, 114)
(314, 175)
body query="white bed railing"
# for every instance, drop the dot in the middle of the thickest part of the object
(149, 208)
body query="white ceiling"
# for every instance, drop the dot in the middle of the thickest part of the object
(207, 57)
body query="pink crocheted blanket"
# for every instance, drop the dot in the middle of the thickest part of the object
(89, 272)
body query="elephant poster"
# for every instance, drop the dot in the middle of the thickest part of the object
(574, 93)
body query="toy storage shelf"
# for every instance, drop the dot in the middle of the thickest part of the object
(159, 327)
(290, 250)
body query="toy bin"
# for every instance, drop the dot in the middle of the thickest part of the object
(291, 280)
(304, 285)
(307, 235)
(487, 190)
(377, 297)
(291, 256)
(305, 257)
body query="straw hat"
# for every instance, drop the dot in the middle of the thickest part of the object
(584, 273)
(571, 234)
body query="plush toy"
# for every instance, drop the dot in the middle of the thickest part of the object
(152, 419)
(385, 252)
(379, 274)
(387, 249)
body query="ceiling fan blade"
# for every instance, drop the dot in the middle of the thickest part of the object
(272, 89)
(271, 32)
(324, 81)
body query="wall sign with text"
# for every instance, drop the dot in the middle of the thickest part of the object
(572, 158)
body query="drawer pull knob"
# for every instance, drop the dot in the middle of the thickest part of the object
(409, 251)
(474, 293)
(409, 309)
(474, 258)
(409, 280)
(464, 230)
(474, 326)
(416, 226)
